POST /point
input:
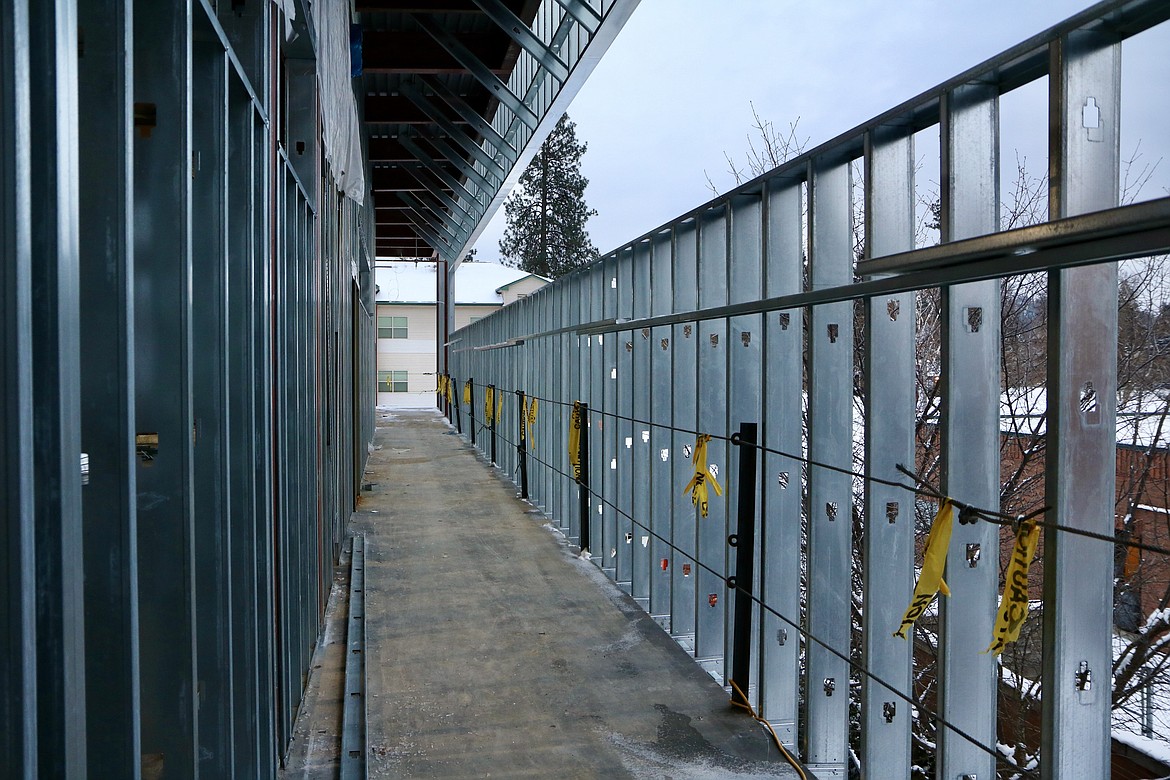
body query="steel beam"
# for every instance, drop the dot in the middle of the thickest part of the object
(56, 394)
(606, 438)
(163, 400)
(594, 396)
(523, 36)
(249, 614)
(745, 276)
(409, 52)
(438, 193)
(107, 367)
(663, 561)
(453, 131)
(1136, 230)
(712, 347)
(466, 168)
(451, 221)
(18, 706)
(641, 454)
(970, 436)
(783, 430)
(214, 555)
(583, 12)
(438, 226)
(684, 592)
(424, 159)
(1084, 160)
(471, 117)
(623, 429)
(830, 441)
(889, 520)
(425, 229)
(475, 66)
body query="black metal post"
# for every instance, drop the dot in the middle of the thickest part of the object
(744, 542)
(583, 479)
(492, 414)
(522, 447)
(471, 409)
(455, 406)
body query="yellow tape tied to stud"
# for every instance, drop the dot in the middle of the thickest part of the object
(930, 581)
(575, 423)
(527, 421)
(697, 487)
(1013, 607)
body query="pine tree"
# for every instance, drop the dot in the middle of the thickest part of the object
(546, 214)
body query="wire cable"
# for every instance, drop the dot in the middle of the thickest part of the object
(810, 637)
(971, 511)
(745, 704)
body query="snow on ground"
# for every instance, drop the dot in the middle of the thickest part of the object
(1140, 416)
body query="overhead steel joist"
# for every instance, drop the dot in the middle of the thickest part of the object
(475, 98)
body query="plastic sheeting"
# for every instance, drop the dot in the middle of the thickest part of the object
(342, 131)
(343, 143)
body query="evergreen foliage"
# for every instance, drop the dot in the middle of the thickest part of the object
(546, 214)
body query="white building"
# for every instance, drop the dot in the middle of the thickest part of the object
(407, 296)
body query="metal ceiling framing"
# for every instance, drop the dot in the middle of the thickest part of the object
(458, 96)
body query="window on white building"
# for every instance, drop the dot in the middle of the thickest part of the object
(392, 328)
(392, 382)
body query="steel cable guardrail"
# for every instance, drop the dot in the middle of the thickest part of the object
(968, 512)
(729, 581)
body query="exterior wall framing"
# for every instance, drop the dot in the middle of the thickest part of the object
(202, 344)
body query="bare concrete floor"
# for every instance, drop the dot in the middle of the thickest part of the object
(494, 652)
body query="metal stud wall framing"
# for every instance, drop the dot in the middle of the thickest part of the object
(743, 308)
(187, 314)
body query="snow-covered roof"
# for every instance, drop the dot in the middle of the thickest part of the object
(475, 283)
(503, 287)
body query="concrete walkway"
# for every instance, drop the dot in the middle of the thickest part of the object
(494, 652)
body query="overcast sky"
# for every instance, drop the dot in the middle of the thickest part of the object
(674, 90)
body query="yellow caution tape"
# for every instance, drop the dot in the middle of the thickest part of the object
(467, 393)
(489, 406)
(528, 419)
(499, 407)
(930, 581)
(697, 487)
(575, 423)
(1013, 607)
